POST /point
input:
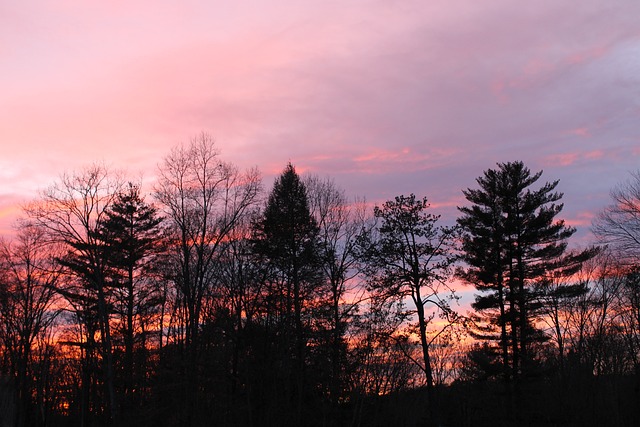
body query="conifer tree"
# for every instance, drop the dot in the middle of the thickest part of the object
(287, 237)
(513, 245)
(131, 236)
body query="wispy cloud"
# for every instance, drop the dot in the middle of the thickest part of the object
(388, 97)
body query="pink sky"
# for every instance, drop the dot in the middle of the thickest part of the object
(387, 97)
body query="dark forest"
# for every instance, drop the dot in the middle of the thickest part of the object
(212, 301)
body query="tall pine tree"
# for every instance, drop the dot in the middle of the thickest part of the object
(287, 237)
(513, 245)
(131, 237)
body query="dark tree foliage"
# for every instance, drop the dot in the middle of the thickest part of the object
(513, 245)
(203, 199)
(238, 314)
(287, 237)
(307, 311)
(131, 237)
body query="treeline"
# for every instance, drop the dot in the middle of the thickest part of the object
(215, 302)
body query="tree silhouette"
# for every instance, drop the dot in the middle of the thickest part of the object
(287, 236)
(514, 246)
(70, 213)
(203, 199)
(28, 277)
(411, 257)
(308, 311)
(618, 225)
(340, 221)
(131, 237)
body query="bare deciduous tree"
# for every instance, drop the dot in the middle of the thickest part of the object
(28, 274)
(340, 221)
(203, 199)
(70, 213)
(618, 225)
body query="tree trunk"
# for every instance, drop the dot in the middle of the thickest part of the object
(424, 343)
(109, 372)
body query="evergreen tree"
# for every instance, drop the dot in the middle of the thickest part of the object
(287, 237)
(513, 245)
(131, 237)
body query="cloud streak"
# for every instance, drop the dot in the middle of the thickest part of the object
(387, 97)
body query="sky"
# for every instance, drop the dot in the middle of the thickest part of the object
(386, 97)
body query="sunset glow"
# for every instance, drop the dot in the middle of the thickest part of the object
(311, 213)
(386, 98)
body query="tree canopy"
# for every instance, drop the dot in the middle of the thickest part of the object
(211, 302)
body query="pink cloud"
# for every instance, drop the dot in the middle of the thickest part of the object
(449, 204)
(388, 96)
(590, 54)
(322, 157)
(498, 89)
(538, 66)
(403, 160)
(565, 159)
(583, 131)
(10, 211)
(382, 155)
(581, 219)
(594, 155)
(569, 159)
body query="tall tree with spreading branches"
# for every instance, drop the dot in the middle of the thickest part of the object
(410, 256)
